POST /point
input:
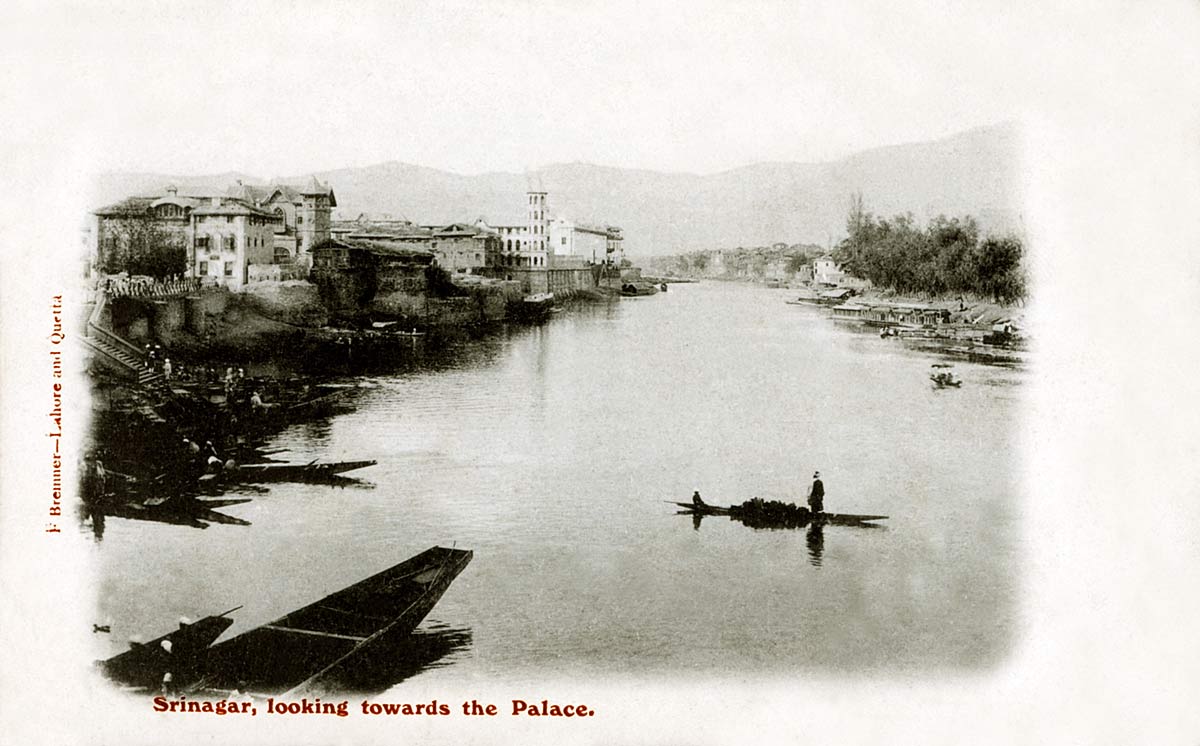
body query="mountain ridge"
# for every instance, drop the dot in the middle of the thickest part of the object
(973, 172)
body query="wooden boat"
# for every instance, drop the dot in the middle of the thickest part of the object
(318, 646)
(737, 512)
(943, 376)
(536, 307)
(145, 664)
(310, 472)
(392, 329)
(634, 289)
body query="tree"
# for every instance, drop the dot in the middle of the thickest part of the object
(998, 265)
(141, 246)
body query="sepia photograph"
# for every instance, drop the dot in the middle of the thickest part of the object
(592, 373)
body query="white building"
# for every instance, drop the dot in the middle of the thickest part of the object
(585, 242)
(826, 271)
(544, 243)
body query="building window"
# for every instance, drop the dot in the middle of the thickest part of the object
(564, 240)
(299, 220)
(228, 218)
(229, 243)
(229, 269)
(202, 243)
(202, 269)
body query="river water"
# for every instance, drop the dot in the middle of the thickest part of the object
(550, 451)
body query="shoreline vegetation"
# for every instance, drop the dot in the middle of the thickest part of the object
(892, 258)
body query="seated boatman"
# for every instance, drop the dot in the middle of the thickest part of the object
(696, 499)
(816, 495)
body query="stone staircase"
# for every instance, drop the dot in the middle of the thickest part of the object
(120, 354)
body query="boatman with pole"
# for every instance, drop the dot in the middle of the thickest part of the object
(816, 495)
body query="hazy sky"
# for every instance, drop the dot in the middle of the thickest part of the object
(288, 87)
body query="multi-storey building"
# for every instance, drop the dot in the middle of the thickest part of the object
(246, 234)
(304, 212)
(543, 243)
(457, 247)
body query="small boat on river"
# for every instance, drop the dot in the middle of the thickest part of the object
(943, 377)
(777, 514)
(533, 308)
(636, 289)
(145, 663)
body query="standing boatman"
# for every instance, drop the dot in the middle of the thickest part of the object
(816, 495)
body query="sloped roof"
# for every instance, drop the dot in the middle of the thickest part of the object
(316, 188)
(377, 246)
(176, 200)
(458, 229)
(234, 207)
(128, 207)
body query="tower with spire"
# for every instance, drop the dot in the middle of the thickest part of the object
(313, 216)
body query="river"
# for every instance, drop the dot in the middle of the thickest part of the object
(550, 451)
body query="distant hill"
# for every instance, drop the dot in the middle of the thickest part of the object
(974, 172)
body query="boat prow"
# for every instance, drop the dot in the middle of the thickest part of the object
(315, 647)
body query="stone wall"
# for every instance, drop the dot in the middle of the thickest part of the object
(558, 281)
(169, 315)
(295, 302)
(398, 303)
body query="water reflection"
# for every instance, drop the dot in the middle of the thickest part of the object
(815, 539)
(383, 667)
(177, 511)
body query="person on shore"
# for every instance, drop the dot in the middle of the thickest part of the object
(167, 368)
(212, 459)
(256, 401)
(816, 495)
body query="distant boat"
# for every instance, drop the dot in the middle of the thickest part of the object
(536, 307)
(943, 376)
(634, 289)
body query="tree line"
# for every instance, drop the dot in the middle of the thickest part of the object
(946, 256)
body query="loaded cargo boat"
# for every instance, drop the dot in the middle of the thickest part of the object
(759, 513)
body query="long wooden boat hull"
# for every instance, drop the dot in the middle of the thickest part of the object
(287, 472)
(316, 647)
